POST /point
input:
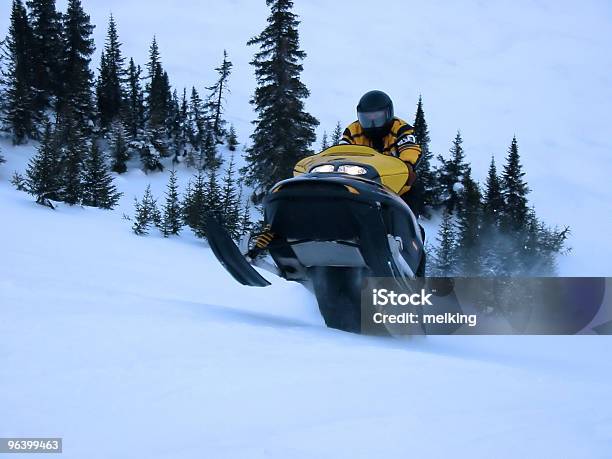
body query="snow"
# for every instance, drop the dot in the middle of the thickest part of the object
(131, 346)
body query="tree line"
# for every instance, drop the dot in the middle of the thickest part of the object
(50, 94)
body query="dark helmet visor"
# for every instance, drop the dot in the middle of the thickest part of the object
(376, 119)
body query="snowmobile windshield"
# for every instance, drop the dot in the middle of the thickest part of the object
(375, 119)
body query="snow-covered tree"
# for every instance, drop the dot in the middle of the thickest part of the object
(230, 197)
(74, 152)
(43, 179)
(98, 188)
(450, 175)
(425, 185)
(171, 212)
(444, 260)
(46, 52)
(75, 104)
(147, 213)
(284, 131)
(195, 204)
(20, 114)
(515, 190)
(232, 139)
(469, 228)
(119, 148)
(110, 87)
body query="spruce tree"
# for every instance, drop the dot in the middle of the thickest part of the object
(469, 228)
(232, 139)
(216, 98)
(75, 99)
(158, 98)
(119, 148)
(46, 52)
(110, 88)
(284, 131)
(245, 219)
(493, 203)
(20, 113)
(147, 213)
(324, 141)
(196, 128)
(171, 220)
(43, 179)
(337, 134)
(213, 200)
(2, 160)
(133, 111)
(73, 156)
(98, 188)
(425, 186)
(195, 203)
(450, 175)
(444, 259)
(230, 201)
(182, 134)
(209, 157)
(514, 189)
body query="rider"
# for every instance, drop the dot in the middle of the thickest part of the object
(378, 128)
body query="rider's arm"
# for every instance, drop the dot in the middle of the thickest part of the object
(407, 148)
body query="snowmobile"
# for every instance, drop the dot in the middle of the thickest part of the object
(336, 222)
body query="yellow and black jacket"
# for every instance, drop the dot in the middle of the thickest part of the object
(354, 135)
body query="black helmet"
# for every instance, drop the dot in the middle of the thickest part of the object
(375, 113)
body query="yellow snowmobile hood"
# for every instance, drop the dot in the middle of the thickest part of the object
(393, 172)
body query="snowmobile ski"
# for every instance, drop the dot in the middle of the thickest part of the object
(230, 257)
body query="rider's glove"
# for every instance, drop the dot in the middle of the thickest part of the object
(407, 148)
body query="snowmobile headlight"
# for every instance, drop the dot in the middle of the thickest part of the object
(352, 169)
(323, 168)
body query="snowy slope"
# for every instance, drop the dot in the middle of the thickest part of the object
(131, 346)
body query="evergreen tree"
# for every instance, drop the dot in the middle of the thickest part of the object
(46, 52)
(147, 213)
(75, 101)
(2, 160)
(245, 219)
(324, 142)
(216, 98)
(98, 188)
(182, 136)
(157, 89)
(232, 140)
(468, 228)
(20, 114)
(73, 156)
(444, 259)
(194, 204)
(284, 131)
(213, 200)
(230, 201)
(110, 89)
(337, 134)
(209, 157)
(134, 104)
(119, 148)
(493, 204)
(196, 128)
(43, 173)
(425, 185)
(171, 220)
(514, 189)
(450, 175)
(19, 182)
